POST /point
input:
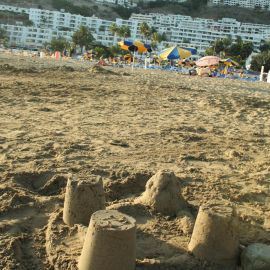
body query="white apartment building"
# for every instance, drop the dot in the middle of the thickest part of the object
(14, 9)
(180, 30)
(70, 22)
(33, 37)
(197, 32)
(263, 4)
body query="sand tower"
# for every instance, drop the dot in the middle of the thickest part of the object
(110, 242)
(215, 236)
(84, 196)
(162, 194)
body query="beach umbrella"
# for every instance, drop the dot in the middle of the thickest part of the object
(135, 46)
(229, 62)
(176, 53)
(207, 61)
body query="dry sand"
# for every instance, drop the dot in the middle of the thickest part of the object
(62, 118)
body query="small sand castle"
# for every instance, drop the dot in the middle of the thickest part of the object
(109, 243)
(162, 194)
(83, 198)
(215, 236)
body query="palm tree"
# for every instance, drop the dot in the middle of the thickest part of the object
(145, 30)
(114, 29)
(124, 32)
(155, 39)
(83, 37)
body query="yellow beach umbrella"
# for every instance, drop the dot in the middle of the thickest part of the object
(135, 46)
(176, 53)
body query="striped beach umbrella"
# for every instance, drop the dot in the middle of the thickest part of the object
(135, 46)
(176, 53)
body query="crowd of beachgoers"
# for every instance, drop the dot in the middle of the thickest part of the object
(182, 66)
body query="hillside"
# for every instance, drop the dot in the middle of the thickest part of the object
(90, 7)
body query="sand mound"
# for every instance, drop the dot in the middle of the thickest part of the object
(162, 194)
(100, 70)
(64, 68)
(12, 69)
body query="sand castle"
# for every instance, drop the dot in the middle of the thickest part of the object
(83, 198)
(162, 194)
(109, 243)
(215, 236)
(110, 240)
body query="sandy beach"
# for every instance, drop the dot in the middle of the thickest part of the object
(63, 118)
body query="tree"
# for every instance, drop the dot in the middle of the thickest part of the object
(114, 29)
(265, 45)
(99, 51)
(123, 12)
(59, 44)
(102, 51)
(153, 30)
(3, 36)
(225, 48)
(236, 47)
(209, 51)
(221, 46)
(121, 31)
(116, 50)
(83, 37)
(124, 31)
(155, 39)
(227, 42)
(164, 37)
(195, 5)
(218, 46)
(145, 30)
(259, 60)
(246, 50)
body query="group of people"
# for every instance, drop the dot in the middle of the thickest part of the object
(183, 66)
(220, 71)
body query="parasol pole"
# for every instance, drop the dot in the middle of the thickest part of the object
(133, 62)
